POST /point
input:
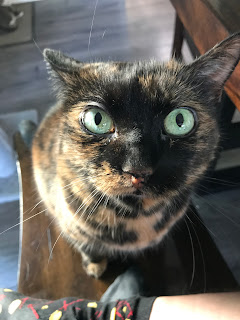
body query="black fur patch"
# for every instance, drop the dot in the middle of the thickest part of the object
(159, 225)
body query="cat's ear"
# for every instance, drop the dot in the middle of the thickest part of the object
(216, 66)
(61, 68)
(58, 62)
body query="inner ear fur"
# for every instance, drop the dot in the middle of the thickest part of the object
(217, 64)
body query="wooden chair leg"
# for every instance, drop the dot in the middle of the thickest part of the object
(178, 39)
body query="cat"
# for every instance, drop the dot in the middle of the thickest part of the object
(117, 158)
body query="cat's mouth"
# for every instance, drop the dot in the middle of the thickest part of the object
(135, 192)
(139, 193)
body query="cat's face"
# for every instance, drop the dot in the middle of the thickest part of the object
(142, 129)
(118, 128)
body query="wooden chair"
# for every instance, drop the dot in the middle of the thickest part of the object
(203, 23)
(49, 268)
(208, 22)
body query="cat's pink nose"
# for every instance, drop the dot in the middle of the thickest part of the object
(137, 182)
(139, 176)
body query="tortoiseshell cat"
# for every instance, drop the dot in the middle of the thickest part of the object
(117, 158)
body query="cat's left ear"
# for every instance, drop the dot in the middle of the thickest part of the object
(216, 66)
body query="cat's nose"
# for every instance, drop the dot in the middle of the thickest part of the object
(139, 176)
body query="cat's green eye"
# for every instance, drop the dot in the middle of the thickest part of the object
(97, 121)
(179, 122)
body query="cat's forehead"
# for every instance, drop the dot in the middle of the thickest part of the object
(146, 86)
(151, 69)
(149, 81)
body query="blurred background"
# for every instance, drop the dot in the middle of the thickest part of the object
(88, 30)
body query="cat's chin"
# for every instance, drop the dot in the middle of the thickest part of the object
(139, 193)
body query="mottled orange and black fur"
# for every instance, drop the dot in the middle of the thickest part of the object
(85, 179)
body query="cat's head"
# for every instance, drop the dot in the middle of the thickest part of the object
(141, 128)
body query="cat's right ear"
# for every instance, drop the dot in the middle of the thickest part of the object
(215, 67)
(59, 62)
(61, 67)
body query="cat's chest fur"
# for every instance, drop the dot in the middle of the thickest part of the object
(123, 230)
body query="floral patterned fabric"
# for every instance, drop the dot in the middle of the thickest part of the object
(14, 305)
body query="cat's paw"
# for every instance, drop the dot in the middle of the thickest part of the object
(95, 269)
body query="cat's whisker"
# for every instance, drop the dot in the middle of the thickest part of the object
(29, 217)
(215, 207)
(79, 179)
(28, 211)
(193, 254)
(51, 252)
(214, 196)
(123, 214)
(221, 182)
(106, 202)
(24, 214)
(34, 207)
(45, 232)
(85, 201)
(57, 187)
(37, 46)
(104, 217)
(205, 190)
(192, 211)
(97, 204)
(200, 247)
(73, 195)
(92, 196)
(210, 231)
(91, 29)
(21, 222)
(189, 208)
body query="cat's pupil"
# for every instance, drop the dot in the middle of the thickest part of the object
(98, 118)
(179, 119)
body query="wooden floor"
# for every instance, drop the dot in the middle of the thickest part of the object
(130, 30)
(121, 31)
